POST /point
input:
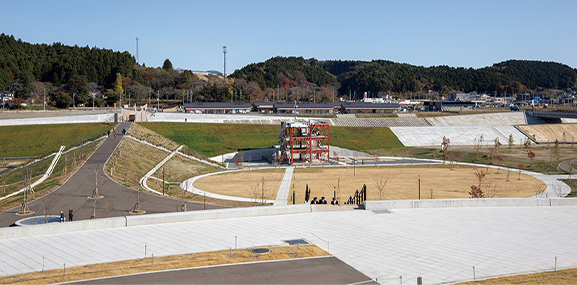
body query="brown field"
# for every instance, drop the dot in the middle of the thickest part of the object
(244, 183)
(162, 263)
(567, 276)
(437, 182)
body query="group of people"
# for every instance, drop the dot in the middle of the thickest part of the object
(70, 215)
(113, 130)
(323, 201)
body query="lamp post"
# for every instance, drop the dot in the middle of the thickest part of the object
(157, 101)
(44, 97)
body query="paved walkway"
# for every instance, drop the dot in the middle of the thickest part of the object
(566, 165)
(117, 201)
(284, 189)
(440, 245)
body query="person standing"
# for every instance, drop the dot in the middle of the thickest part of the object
(70, 215)
(61, 217)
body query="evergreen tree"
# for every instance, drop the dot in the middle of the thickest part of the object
(62, 100)
(167, 65)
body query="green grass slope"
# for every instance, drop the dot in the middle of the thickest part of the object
(36, 140)
(215, 139)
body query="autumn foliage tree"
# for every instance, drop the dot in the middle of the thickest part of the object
(476, 192)
(531, 156)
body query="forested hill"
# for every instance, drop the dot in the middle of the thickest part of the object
(512, 76)
(58, 63)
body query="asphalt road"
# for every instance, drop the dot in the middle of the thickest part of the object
(119, 200)
(326, 270)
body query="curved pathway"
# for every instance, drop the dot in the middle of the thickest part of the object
(566, 165)
(119, 199)
(555, 188)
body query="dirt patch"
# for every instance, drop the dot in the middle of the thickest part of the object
(152, 137)
(163, 263)
(246, 184)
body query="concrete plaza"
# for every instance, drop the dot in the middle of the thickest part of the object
(438, 244)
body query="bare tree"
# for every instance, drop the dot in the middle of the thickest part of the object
(432, 195)
(480, 175)
(94, 181)
(511, 141)
(48, 201)
(255, 190)
(445, 145)
(381, 183)
(539, 188)
(491, 189)
(558, 188)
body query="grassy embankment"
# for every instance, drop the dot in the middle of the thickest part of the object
(132, 160)
(40, 141)
(214, 139)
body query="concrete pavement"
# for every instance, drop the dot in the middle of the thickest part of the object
(438, 244)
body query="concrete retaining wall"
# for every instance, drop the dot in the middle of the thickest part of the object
(486, 202)
(138, 220)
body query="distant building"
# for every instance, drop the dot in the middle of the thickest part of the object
(305, 107)
(6, 96)
(96, 91)
(369, 108)
(448, 105)
(217, 107)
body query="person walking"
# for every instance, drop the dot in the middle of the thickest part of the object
(70, 215)
(61, 217)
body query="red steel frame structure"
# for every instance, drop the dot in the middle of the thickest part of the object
(308, 138)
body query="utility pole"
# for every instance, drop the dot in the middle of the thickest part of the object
(44, 97)
(224, 52)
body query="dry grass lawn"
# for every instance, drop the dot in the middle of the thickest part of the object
(163, 263)
(243, 183)
(133, 160)
(402, 182)
(568, 276)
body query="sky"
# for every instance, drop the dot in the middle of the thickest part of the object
(192, 33)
